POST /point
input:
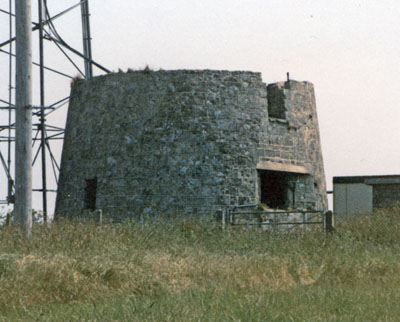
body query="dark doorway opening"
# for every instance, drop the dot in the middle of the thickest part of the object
(90, 194)
(277, 189)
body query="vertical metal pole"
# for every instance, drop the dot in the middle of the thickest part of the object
(10, 88)
(23, 103)
(87, 47)
(42, 113)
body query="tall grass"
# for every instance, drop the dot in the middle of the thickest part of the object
(192, 271)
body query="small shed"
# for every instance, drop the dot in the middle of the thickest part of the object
(362, 194)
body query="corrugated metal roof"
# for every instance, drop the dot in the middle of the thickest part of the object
(382, 179)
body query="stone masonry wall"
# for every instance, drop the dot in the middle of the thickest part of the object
(294, 140)
(183, 142)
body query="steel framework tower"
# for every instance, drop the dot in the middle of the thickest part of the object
(43, 132)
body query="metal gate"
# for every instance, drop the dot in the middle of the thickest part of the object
(275, 220)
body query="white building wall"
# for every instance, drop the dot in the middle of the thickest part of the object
(352, 199)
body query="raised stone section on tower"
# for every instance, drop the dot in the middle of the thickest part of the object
(189, 142)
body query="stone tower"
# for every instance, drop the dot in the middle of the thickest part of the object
(189, 142)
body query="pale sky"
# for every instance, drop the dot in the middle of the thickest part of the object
(349, 50)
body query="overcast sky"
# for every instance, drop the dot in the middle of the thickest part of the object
(349, 50)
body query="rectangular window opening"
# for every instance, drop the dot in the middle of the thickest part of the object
(276, 102)
(90, 193)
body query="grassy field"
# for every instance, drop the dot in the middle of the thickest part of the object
(192, 271)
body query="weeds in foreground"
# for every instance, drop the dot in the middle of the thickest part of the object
(190, 270)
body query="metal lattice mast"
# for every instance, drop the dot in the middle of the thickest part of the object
(10, 182)
(87, 40)
(44, 133)
(42, 111)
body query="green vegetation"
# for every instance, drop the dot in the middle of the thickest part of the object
(192, 271)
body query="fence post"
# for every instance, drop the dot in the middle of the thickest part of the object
(99, 216)
(223, 219)
(304, 218)
(329, 222)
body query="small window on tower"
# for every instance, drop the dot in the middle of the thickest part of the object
(276, 102)
(90, 193)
